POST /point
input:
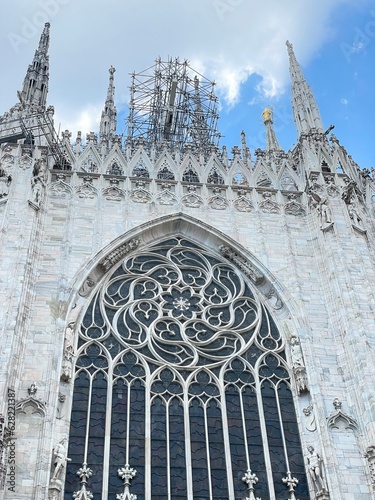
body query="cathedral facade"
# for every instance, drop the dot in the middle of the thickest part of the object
(179, 321)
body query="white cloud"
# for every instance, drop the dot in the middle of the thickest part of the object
(344, 101)
(226, 40)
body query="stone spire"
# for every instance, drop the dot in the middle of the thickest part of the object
(305, 110)
(108, 122)
(35, 85)
(271, 140)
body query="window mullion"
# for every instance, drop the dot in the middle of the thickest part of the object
(88, 421)
(168, 449)
(282, 429)
(107, 438)
(189, 474)
(127, 435)
(244, 429)
(207, 447)
(148, 485)
(263, 428)
(228, 460)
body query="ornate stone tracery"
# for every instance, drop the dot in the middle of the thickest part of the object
(174, 322)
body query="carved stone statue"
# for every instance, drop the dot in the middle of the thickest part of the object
(5, 181)
(315, 467)
(67, 364)
(296, 352)
(59, 458)
(38, 181)
(267, 115)
(353, 213)
(37, 184)
(325, 214)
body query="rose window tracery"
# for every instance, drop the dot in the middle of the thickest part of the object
(181, 375)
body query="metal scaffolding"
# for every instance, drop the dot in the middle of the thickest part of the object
(172, 104)
(30, 127)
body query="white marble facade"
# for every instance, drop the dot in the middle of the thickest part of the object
(300, 230)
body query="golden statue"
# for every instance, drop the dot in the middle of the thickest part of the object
(267, 115)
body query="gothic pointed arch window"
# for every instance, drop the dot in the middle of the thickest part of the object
(140, 171)
(214, 177)
(190, 175)
(165, 173)
(114, 169)
(181, 388)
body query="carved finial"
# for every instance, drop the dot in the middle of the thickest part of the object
(84, 473)
(291, 483)
(337, 404)
(251, 480)
(32, 390)
(127, 474)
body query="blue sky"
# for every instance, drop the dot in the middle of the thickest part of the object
(238, 43)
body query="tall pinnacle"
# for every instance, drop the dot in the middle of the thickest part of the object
(35, 85)
(108, 122)
(305, 110)
(271, 139)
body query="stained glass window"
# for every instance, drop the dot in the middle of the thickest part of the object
(181, 386)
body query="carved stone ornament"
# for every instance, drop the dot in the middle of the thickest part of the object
(370, 456)
(192, 200)
(339, 419)
(315, 468)
(270, 207)
(294, 208)
(86, 190)
(113, 193)
(291, 483)
(274, 299)
(126, 474)
(116, 255)
(310, 422)
(300, 377)
(59, 189)
(348, 190)
(87, 286)
(7, 160)
(244, 265)
(243, 204)
(332, 190)
(217, 202)
(166, 197)
(36, 405)
(83, 494)
(251, 480)
(140, 195)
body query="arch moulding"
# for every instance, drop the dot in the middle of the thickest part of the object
(271, 292)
